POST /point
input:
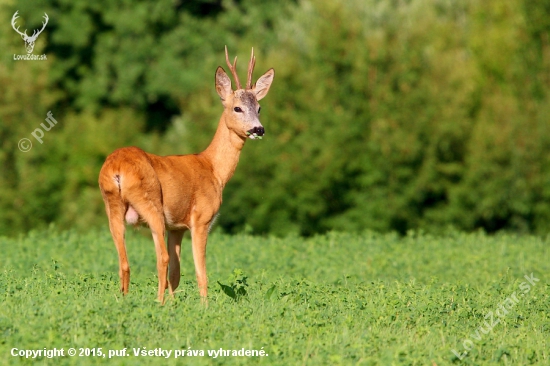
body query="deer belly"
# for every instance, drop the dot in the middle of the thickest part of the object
(174, 221)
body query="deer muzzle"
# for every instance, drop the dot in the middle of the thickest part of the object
(256, 132)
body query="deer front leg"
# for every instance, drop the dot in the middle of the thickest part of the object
(174, 251)
(199, 235)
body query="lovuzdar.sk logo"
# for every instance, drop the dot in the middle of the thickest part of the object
(29, 40)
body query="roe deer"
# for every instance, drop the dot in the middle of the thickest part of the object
(182, 192)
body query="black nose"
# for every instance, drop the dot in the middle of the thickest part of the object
(258, 131)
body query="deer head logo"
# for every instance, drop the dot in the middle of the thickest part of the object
(29, 41)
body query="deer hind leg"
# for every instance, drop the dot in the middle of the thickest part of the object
(148, 205)
(157, 229)
(174, 251)
(115, 212)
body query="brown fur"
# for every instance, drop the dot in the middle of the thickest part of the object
(179, 192)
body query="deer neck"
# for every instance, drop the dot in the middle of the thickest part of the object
(224, 151)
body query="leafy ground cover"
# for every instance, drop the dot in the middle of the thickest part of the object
(335, 299)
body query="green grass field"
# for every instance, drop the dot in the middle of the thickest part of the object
(337, 299)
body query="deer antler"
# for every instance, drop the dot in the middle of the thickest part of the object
(233, 69)
(34, 36)
(251, 65)
(13, 19)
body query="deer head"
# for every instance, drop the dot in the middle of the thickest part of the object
(241, 106)
(29, 41)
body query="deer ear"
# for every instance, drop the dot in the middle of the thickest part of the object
(262, 85)
(223, 84)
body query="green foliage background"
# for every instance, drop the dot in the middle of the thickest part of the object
(388, 115)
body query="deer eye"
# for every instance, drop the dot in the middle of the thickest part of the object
(238, 109)
(259, 109)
